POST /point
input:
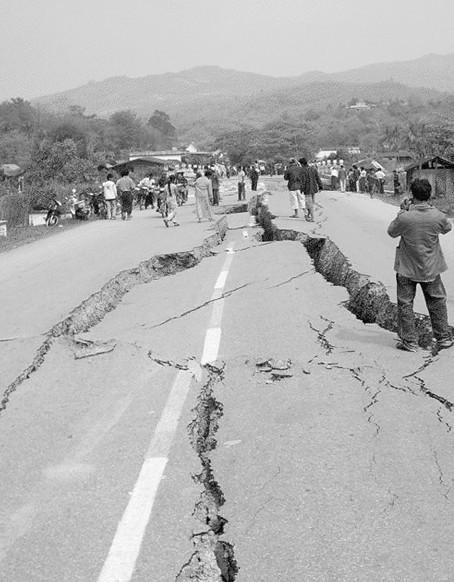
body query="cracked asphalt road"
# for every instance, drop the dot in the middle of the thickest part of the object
(338, 468)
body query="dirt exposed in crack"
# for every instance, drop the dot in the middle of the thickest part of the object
(231, 209)
(213, 558)
(368, 299)
(92, 310)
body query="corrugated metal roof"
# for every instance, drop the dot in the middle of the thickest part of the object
(437, 159)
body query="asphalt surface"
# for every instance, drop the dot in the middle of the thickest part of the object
(41, 283)
(358, 225)
(341, 470)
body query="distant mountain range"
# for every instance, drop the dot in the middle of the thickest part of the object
(194, 87)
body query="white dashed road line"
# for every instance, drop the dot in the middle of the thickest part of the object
(123, 553)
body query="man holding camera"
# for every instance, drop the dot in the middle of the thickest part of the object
(419, 259)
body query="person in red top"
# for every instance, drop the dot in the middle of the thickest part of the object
(419, 260)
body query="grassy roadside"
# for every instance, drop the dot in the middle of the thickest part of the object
(23, 235)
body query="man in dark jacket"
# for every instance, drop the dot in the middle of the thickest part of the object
(310, 185)
(293, 176)
(254, 175)
(419, 259)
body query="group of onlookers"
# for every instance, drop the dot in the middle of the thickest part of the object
(242, 172)
(370, 181)
(166, 193)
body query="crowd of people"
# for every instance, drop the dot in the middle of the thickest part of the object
(164, 193)
(365, 180)
(419, 258)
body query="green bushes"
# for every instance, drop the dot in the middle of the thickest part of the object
(42, 194)
(15, 208)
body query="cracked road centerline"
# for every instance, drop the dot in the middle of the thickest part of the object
(125, 548)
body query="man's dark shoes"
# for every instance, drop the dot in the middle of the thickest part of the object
(444, 344)
(406, 346)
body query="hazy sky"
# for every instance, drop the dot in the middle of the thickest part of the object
(48, 46)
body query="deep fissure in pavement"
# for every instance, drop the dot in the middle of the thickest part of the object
(368, 299)
(213, 559)
(92, 310)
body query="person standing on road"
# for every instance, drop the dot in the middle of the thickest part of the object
(396, 183)
(293, 176)
(351, 179)
(110, 196)
(371, 182)
(334, 177)
(362, 182)
(356, 174)
(241, 183)
(171, 202)
(215, 186)
(419, 259)
(342, 178)
(125, 189)
(203, 194)
(255, 171)
(310, 185)
(380, 175)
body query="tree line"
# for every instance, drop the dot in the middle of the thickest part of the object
(59, 149)
(62, 149)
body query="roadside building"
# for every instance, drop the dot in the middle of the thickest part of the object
(325, 154)
(178, 157)
(439, 171)
(141, 166)
(396, 160)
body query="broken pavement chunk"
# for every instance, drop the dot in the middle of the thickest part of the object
(279, 364)
(280, 375)
(217, 366)
(93, 348)
(259, 362)
(272, 364)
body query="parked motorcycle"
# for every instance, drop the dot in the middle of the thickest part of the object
(79, 209)
(53, 213)
(97, 205)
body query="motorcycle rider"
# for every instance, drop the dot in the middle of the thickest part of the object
(146, 192)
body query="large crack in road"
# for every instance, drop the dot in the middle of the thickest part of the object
(92, 310)
(213, 558)
(368, 299)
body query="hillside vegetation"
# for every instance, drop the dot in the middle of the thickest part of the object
(61, 140)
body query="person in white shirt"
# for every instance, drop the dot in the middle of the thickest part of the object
(110, 196)
(241, 183)
(380, 175)
(146, 192)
